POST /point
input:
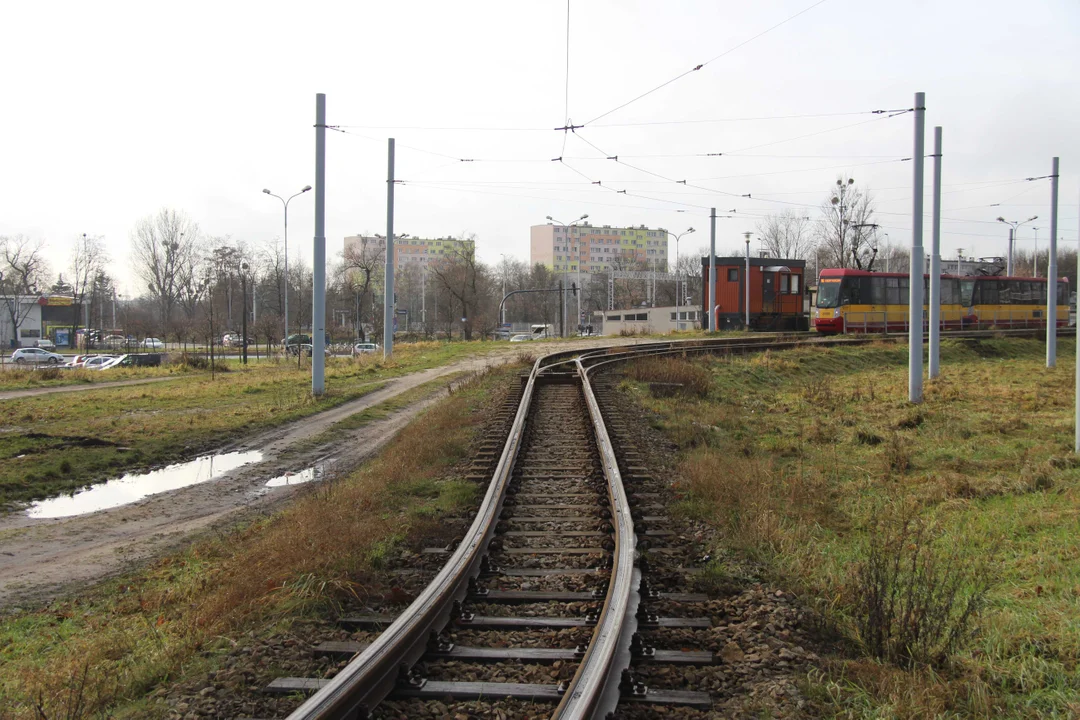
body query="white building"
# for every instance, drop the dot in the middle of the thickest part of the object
(27, 314)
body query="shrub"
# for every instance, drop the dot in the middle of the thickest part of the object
(677, 375)
(915, 598)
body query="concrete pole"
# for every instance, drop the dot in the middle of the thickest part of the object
(710, 289)
(318, 294)
(1051, 273)
(935, 265)
(747, 283)
(1009, 256)
(915, 296)
(388, 283)
(423, 297)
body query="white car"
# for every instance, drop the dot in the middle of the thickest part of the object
(521, 338)
(152, 344)
(364, 348)
(23, 356)
(45, 344)
(98, 362)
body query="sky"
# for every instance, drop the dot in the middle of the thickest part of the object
(114, 110)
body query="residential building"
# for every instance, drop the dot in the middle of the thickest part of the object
(410, 250)
(593, 249)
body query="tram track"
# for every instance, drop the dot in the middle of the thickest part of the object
(561, 589)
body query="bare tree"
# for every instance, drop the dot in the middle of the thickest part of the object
(842, 229)
(88, 258)
(22, 271)
(360, 267)
(165, 253)
(786, 235)
(461, 275)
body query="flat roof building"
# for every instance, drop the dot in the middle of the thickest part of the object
(410, 250)
(594, 249)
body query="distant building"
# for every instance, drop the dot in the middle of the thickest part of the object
(27, 312)
(594, 249)
(410, 250)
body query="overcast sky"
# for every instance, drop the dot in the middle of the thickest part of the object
(114, 110)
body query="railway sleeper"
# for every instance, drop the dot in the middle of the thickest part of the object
(449, 651)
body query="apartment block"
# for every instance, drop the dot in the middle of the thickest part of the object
(410, 250)
(594, 249)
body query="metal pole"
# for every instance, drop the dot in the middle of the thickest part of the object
(388, 303)
(915, 272)
(678, 295)
(578, 323)
(935, 264)
(747, 298)
(1051, 273)
(1035, 258)
(1009, 257)
(710, 321)
(318, 292)
(423, 297)
(285, 342)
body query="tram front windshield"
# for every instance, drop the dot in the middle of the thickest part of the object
(828, 292)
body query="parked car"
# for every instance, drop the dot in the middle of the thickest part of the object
(114, 341)
(22, 356)
(98, 362)
(232, 340)
(363, 348)
(45, 344)
(525, 337)
(140, 360)
(152, 344)
(305, 349)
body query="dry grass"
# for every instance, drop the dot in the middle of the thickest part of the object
(322, 550)
(680, 375)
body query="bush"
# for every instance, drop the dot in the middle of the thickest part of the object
(672, 375)
(915, 599)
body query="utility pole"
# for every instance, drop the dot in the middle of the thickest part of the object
(935, 264)
(318, 294)
(388, 303)
(243, 315)
(1051, 272)
(562, 310)
(710, 282)
(915, 271)
(747, 283)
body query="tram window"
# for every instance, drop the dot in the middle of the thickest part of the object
(877, 291)
(1005, 292)
(1062, 294)
(967, 292)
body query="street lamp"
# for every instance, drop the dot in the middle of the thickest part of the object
(579, 293)
(678, 295)
(1013, 225)
(285, 203)
(1035, 257)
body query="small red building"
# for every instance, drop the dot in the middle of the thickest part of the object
(777, 293)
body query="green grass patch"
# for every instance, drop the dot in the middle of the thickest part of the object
(808, 461)
(57, 443)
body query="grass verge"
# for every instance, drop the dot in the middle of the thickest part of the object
(103, 652)
(938, 539)
(57, 443)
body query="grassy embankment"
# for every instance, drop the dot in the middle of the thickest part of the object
(59, 442)
(897, 520)
(112, 646)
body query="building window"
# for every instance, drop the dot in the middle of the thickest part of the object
(785, 283)
(733, 275)
(794, 284)
(30, 332)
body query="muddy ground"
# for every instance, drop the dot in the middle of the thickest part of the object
(43, 558)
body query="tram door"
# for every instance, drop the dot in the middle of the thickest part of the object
(768, 292)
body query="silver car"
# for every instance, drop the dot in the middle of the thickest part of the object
(22, 356)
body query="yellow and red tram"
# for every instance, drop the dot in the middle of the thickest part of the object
(851, 300)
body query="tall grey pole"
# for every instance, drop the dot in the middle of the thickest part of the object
(935, 265)
(1051, 272)
(1009, 256)
(423, 297)
(915, 281)
(285, 340)
(747, 283)
(388, 303)
(710, 321)
(318, 293)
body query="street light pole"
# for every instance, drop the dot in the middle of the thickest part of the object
(583, 217)
(285, 203)
(1035, 257)
(1013, 226)
(678, 295)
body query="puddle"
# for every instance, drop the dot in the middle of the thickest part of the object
(318, 472)
(132, 487)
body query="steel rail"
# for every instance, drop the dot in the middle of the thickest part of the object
(372, 675)
(594, 689)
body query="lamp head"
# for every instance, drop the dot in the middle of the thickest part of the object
(1001, 219)
(583, 217)
(306, 188)
(266, 190)
(549, 218)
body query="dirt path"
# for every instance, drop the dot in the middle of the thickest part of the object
(42, 558)
(13, 394)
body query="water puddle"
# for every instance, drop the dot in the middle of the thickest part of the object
(317, 472)
(132, 487)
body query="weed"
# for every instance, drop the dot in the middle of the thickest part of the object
(914, 599)
(672, 375)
